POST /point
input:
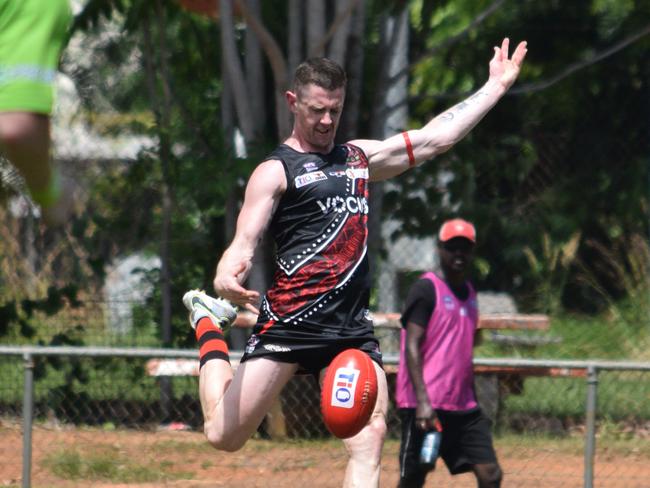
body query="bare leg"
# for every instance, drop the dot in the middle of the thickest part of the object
(234, 406)
(365, 448)
(25, 140)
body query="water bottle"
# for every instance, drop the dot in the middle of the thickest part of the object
(430, 447)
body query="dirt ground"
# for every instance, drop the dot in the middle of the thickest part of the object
(86, 457)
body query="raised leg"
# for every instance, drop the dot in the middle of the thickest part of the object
(234, 406)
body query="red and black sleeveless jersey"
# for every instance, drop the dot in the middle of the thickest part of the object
(321, 283)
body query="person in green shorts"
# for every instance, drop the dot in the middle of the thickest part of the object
(32, 36)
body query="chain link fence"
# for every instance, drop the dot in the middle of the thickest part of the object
(100, 417)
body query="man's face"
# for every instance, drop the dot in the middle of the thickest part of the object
(456, 255)
(317, 113)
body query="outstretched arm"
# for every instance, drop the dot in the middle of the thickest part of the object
(398, 153)
(263, 191)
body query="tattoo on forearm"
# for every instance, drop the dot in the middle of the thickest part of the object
(449, 115)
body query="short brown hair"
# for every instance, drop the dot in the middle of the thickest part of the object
(321, 72)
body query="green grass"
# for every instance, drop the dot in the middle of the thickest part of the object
(181, 447)
(621, 396)
(569, 445)
(108, 464)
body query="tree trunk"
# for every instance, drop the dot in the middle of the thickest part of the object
(295, 41)
(234, 71)
(167, 191)
(278, 66)
(341, 31)
(161, 100)
(250, 88)
(391, 114)
(316, 15)
(255, 79)
(349, 124)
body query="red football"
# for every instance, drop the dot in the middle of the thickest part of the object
(349, 393)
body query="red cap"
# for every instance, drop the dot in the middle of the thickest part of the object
(457, 228)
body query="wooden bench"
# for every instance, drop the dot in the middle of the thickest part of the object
(509, 321)
(504, 321)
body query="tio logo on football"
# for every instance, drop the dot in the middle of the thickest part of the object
(345, 383)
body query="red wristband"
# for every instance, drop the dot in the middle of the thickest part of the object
(409, 149)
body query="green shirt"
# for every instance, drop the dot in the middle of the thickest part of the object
(32, 34)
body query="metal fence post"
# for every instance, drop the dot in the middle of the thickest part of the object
(28, 409)
(590, 433)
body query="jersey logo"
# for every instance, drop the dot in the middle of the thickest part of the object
(309, 178)
(354, 173)
(448, 302)
(253, 340)
(353, 160)
(310, 166)
(276, 348)
(339, 204)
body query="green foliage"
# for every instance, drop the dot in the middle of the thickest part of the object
(19, 318)
(126, 202)
(550, 270)
(622, 269)
(85, 381)
(565, 154)
(556, 162)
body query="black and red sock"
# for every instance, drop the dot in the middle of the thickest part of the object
(212, 344)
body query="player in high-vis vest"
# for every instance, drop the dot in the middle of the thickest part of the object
(32, 35)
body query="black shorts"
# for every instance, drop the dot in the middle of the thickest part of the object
(311, 354)
(466, 441)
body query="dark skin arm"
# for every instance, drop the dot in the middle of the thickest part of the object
(425, 415)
